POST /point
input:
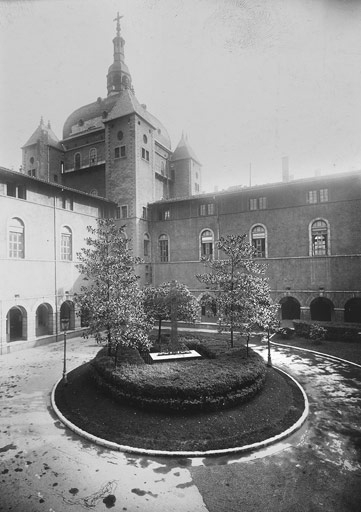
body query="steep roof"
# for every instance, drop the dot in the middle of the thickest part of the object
(44, 131)
(184, 151)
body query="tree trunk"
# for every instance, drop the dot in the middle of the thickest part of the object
(159, 329)
(247, 343)
(109, 342)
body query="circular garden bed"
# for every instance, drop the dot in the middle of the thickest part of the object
(209, 384)
(210, 404)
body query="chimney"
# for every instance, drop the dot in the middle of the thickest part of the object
(285, 169)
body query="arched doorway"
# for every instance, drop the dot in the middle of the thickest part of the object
(67, 311)
(44, 320)
(290, 308)
(321, 309)
(16, 320)
(353, 310)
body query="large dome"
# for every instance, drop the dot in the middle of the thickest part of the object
(94, 115)
(88, 117)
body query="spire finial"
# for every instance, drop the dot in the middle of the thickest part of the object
(41, 121)
(117, 19)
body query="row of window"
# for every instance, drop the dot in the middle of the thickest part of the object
(121, 212)
(93, 158)
(19, 191)
(319, 236)
(255, 203)
(16, 237)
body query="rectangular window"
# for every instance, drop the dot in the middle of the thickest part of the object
(210, 209)
(119, 152)
(11, 189)
(124, 211)
(144, 213)
(202, 210)
(323, 195)
(146, 246)
(260, 245)
(319, 244)
(196, 187)
(63, 202)
(16, 244)
(262, 203)
(65, 248)
(145, 154)
(253, 204)
(117, 212)
(163, 250)
(312, 196)
(166, 214)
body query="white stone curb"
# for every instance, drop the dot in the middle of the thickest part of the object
(191, 454)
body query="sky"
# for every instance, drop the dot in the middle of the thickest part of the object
(248, 81)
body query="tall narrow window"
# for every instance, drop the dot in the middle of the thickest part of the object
(16, 238)
(312, 196)
(163, 248)
(253, 204)
(77, 161)
(319, 238)
(66, 244)
(93, 156)
(258, 237)
(323, 195)
(146, 243)
(207, 243)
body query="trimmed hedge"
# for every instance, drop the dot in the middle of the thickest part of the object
(186, 386)
(334, 331)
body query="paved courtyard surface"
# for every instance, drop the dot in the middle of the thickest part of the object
(44, 467)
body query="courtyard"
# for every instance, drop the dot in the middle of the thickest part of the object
(44, 466)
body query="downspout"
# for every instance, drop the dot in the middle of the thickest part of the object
(55, 271)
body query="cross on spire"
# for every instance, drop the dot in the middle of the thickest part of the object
(117, 19)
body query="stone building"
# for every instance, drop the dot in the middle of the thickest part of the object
(115, 159)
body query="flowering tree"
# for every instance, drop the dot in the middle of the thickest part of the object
(158, 303)
(112, 300)
(242, 291)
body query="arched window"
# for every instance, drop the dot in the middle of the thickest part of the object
(207, 240)
(146, 244)
(93, 156)
(66, 244)
(16, 238)
(164, 248)
(258, 240)
(319, 238)
(77, 161)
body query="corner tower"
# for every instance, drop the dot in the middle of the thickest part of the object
(186, 169)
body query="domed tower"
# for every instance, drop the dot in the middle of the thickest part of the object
(118, 77)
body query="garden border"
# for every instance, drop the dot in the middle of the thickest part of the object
(161, 453)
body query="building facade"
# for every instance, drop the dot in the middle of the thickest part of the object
(115, 159)
(42, 228)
